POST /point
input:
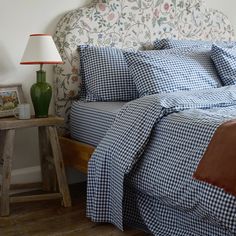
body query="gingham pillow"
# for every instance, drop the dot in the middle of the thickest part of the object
(174, 43)
(105, 75)
(172, 70)
(225, 62)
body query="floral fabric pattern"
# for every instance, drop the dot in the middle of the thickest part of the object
(129, 24)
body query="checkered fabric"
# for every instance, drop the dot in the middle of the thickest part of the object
(146, 161)
(172, 70)
(89, 121)
(225, 62)
(105, 75)
(174, 43)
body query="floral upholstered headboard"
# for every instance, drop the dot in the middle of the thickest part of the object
(128, 24)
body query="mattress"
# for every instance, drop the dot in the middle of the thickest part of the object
(89, 121)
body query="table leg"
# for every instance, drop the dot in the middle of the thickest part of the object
(59, 165)
(6, 171)
(49, 178)
(2, 141)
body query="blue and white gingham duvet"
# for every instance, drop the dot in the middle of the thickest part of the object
(143, 175)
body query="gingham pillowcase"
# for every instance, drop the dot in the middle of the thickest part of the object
(174, 43)
(172, 70)
(225, 62)
(105, 75)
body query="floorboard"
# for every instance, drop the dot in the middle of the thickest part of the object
(49, 218)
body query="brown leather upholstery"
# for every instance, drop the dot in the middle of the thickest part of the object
(218, 165)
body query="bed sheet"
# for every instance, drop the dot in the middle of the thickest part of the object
(89, 121)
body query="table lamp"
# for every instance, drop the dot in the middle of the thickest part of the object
(41, 50)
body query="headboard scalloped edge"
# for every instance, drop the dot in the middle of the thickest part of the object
(127, 24)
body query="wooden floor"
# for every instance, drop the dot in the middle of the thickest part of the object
(48, 218)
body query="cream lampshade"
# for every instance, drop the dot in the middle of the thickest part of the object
(41, 49)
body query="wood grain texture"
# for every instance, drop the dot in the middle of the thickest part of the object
(6, 171)
(13, 123)
(59, 166)
(49, 178)
(36, 197)
(76, 154)
(36, 185)
(48, 218)
(2, 142)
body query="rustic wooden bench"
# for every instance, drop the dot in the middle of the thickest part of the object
(52, 167)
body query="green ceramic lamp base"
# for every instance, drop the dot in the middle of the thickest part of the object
(41, 94)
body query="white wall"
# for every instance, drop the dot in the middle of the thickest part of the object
(19, 19)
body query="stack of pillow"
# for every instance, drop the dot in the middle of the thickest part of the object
(225, 61)
(112, 74)
(223, 55)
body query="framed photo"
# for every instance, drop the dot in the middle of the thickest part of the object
(10, 97)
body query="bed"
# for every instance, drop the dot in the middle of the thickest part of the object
(129, 145)
(120, 24)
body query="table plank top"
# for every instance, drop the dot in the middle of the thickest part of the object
(14, 123)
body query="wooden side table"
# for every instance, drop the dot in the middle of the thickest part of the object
(52, 167)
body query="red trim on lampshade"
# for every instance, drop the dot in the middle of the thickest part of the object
(40, 35)
(41, 62)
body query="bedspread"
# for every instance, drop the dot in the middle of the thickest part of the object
(162, 167)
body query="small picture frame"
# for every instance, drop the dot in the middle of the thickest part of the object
(10, 96)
